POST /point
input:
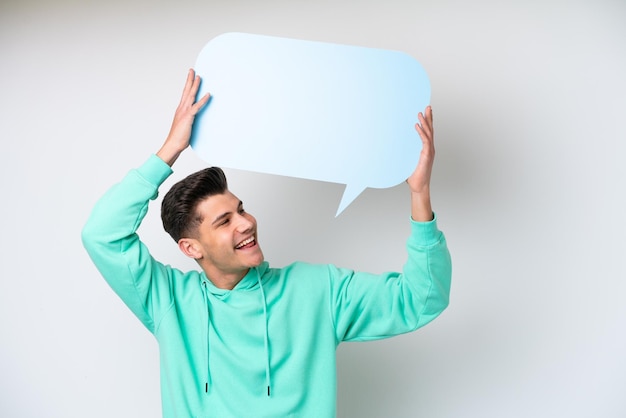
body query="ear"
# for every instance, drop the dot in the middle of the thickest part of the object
(190, 248)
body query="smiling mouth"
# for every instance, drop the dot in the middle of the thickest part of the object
(247, 243)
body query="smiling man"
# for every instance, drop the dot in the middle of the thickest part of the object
(210, 225)
(238, 338)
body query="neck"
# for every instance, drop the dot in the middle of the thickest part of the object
(223, 280)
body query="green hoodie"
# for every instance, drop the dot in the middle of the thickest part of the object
(267, 347)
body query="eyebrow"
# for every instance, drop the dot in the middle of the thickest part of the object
(226, 214)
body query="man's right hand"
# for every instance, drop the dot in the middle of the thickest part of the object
(180, 132)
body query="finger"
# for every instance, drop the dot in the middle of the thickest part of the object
(423, 135)
(192, 93)
(426, 116)
(189, 81)
(195, 87)
(429, 118)
(188, 86)
(200, 103)
(424, 129)
(427, 121)
(196, 84)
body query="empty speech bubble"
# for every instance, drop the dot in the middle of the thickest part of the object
(312, 110)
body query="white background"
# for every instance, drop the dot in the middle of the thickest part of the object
(529, 186)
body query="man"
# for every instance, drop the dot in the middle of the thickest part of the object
(238, 338)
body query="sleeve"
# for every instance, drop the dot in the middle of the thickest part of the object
(111, 240)
(366, 307)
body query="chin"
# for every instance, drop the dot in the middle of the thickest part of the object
(258, 259)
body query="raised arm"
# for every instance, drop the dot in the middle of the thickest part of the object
(369, 306)
(178, 138)
(419, 181)
(110, 234)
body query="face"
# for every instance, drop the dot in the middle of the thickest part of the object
(226, 244)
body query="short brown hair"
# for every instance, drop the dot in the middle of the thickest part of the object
(178, 209)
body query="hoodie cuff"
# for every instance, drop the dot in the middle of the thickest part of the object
(425, 233)
(155, 170)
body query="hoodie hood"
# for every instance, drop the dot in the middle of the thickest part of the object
(249, 282)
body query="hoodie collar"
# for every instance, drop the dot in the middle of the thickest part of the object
(249, 282)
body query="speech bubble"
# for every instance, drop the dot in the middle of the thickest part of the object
(311, 110)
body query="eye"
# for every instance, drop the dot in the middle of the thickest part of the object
(242, 211)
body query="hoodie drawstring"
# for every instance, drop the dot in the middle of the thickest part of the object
(208, 325)
(268, 377)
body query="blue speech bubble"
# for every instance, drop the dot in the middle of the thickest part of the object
(312, 110)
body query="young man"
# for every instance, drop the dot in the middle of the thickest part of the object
(238, 338)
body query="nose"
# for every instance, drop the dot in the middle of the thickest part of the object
(245, 223)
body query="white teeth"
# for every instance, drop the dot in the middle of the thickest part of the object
(245, 242)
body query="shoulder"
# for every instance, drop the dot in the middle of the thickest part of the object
(184, 283)
(300, 276)
(300, 270)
